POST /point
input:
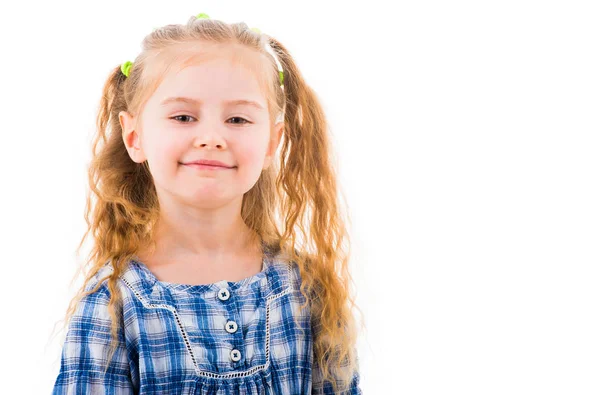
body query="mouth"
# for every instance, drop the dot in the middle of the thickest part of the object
(209, 162)
(201, 166)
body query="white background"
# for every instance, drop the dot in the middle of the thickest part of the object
(468, 144)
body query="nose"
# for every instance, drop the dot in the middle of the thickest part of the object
(207, 134)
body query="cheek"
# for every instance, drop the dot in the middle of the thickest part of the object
(170, 154)
(251, 160)
(251, 151)
(164, 154)
(165, 148)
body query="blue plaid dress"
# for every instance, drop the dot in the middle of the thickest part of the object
(221, 338)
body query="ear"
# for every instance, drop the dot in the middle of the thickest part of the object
(273, 144)
(131, 138)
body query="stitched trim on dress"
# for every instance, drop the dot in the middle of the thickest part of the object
(204, 373)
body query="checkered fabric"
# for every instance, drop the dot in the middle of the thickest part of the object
(221, 338)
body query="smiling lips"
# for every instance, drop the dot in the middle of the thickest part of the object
(208, 164)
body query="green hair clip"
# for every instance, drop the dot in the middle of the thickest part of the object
(126, 68)
(202, 16)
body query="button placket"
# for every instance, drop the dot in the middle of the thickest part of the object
(230, 326)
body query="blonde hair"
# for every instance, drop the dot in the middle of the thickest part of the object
(299, 194)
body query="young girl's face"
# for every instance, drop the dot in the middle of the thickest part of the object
(193, 115)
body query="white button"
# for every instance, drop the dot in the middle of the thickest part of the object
(235, 355)
(231, 326)
(223, 294)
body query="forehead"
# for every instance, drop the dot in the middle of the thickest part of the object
(215, 75)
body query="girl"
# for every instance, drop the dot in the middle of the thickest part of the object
(195, 282)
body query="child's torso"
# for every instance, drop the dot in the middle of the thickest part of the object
(218, 338)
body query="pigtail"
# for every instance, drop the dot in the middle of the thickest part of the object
(111, 98)
(309, 181)
(107, 211)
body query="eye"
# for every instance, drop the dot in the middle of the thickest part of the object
(179, 116)
(243, 119)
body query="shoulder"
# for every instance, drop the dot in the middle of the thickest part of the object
(288, 270)
(289, 265)
(295, 280)
(294, 272)
(98, 308)
(98, 292)
(91, 317)
(96, 288)
(95, 299)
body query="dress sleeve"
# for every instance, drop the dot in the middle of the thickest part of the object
(86, 349)
(320, 387)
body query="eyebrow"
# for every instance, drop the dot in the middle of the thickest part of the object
(189, 100)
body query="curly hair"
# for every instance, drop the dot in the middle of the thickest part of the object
(298, 194)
